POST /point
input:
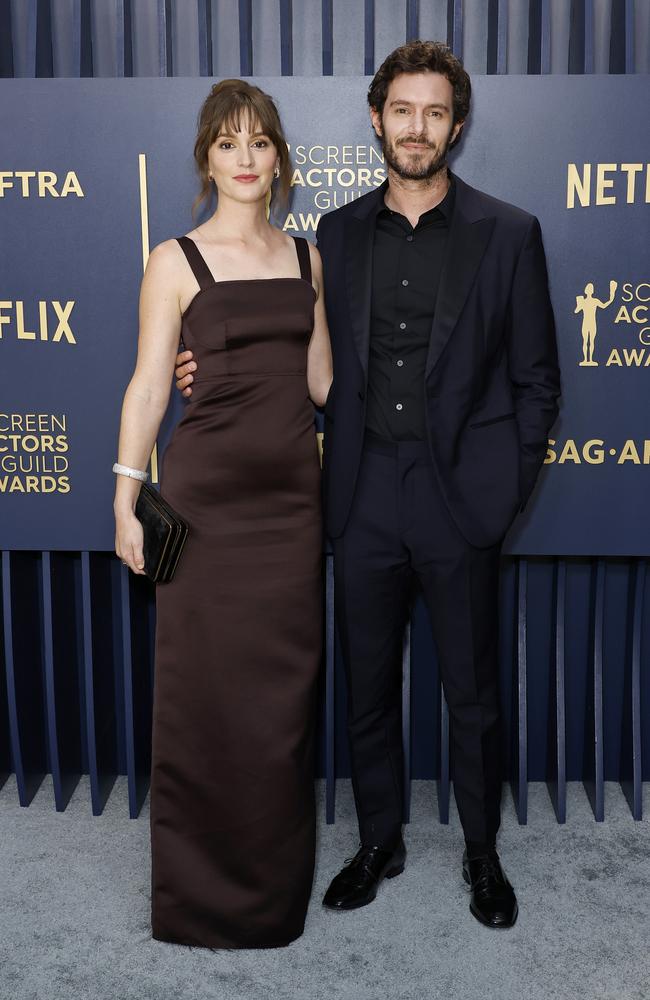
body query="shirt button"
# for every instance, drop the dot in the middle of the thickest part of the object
(404, 282)
(409, 239)
(399, 364)
(402, 326)
(398, 406)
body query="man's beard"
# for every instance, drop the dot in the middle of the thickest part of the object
(419, 169)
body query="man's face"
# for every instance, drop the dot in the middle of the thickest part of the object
(416, 126)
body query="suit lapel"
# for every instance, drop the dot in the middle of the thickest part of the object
(359, 242)
(468, 238)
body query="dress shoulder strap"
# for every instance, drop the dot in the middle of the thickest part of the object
(195, 259)
(302, 249)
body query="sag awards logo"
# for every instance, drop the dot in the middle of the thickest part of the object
(609, 313)
(630, 314)
(327, 177)
(33, 453)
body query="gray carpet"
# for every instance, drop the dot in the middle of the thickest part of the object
(75, 911)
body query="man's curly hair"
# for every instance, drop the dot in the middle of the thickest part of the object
(423, 57)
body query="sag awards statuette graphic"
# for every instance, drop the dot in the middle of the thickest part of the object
(631, 314)
(588, 305)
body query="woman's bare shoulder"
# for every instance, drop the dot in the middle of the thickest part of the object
(167, 251)
(166, 260)
(313, 251)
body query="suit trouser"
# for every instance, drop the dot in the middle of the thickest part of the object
(399, 532)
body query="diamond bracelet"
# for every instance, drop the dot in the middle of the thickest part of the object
(126, 470)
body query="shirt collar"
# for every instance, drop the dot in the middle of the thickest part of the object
(445, 207)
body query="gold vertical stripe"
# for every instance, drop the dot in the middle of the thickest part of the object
(144, 210)
(144, 226)
(154, 464)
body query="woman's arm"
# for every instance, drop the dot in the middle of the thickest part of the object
(319, 354)
(147, 394)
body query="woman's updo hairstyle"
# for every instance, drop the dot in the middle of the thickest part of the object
(231, 105)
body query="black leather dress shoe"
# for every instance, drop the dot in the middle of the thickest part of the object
(358, 881)
(493, 900)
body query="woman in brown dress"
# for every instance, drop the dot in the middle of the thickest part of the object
(239, 628)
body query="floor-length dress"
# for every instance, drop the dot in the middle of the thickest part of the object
(238, 633)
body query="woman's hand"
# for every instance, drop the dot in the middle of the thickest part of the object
(128, 541)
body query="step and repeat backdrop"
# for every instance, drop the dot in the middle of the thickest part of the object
(93, 173)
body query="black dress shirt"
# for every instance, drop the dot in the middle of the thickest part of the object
(407, 264)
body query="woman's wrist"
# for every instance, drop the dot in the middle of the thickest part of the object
(123, 507)
(126, 496)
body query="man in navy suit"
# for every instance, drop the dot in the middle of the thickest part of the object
(445, 388)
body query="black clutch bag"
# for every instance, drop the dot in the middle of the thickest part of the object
(165, 533)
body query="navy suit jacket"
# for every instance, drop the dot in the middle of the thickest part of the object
(492, 377)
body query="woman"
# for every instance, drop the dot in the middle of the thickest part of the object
(238, 629)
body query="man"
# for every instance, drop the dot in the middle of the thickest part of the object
(445, 388)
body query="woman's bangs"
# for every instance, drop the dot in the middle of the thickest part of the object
(241, 116)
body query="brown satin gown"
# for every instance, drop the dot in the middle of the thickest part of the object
(238, 633)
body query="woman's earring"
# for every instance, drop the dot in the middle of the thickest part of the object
(276, 173)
